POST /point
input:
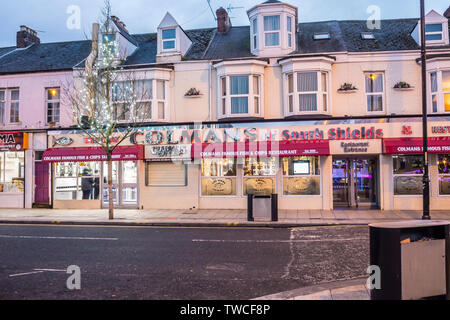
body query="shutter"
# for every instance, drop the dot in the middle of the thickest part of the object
(166, 174)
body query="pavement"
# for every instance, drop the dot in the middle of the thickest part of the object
(355, 289)
(209, 218)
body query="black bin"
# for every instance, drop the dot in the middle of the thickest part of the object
(262, 207)
(414, 260)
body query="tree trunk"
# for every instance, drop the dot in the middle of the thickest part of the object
(110, 188)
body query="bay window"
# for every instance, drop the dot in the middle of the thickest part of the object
(440, 91)
(255, 33)
(240, 95)
(289, 31)
(272, 31)
(309, 95)
(375, 92)
(140, 99)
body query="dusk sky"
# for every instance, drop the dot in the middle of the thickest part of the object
(49, 17)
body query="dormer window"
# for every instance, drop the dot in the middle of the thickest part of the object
(169, 37)
(434, 32)
(289, 30)
(255, 33)
(109, 44)
(272, 31)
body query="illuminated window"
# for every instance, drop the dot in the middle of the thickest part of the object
(53, 105)
(375, 92)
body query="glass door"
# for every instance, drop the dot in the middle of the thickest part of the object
(355, 183)
(125, 184)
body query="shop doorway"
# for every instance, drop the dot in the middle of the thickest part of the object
(42, 185)
(125, 184)
(355, 182)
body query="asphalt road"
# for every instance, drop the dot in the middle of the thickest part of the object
(175, 263)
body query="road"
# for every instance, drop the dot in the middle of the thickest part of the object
(175, 263)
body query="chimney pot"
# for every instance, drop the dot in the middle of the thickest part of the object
(447, 13)
(26, 36)
(223, 20)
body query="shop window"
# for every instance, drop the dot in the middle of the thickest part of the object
(53, 105)
(2, 106)
(12, 172)
(219, 177)
(301, 176)
(77, 181)
(240, 95)
(375, 92)
(166, 174)
(309, 95)
(444, 174)
(408, 175)
(260, 176)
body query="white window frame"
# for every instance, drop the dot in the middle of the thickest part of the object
(295, 94)
(53, 101)
(11, 102)
(290, 33)
(441, 33)
(383, 93)
(154, 101)
(255, 40)
(3, 107)
(174, 40)
(251, 96)
(440, 93)
(272, 31)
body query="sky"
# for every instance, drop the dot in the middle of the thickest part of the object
(49, 17)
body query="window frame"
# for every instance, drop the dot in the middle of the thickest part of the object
(289, 32)
(396, 175)
(382, 93)
(53, 101)
(11, 102)
(235, 178)
(295, 94)
(286, 177)
(3, 107)
(174, 40)
(265, 32)
(431, 33)
(439, 94)
(225, 101)
(255, 40)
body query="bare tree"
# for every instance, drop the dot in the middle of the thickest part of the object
(106, 97)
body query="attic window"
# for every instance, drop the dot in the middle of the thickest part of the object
(168, 38)
(367, 36)
(322, 36)
(434, 32)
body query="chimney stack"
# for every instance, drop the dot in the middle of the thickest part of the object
(223, 20)
(447, 13)
(119, 23)
(26, 36)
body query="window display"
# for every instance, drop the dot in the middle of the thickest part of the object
(77, 181)
(408, 171)
(262, 172)
(301, 176)
(219, 177)
(12, 172)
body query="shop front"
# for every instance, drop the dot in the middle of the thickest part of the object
(80, 175)
(12, 169)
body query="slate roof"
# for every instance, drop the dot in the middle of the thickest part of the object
(45, 57)
(208, 44)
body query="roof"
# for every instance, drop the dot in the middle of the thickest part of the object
(4, 51)
(45, 57)
(233, 44)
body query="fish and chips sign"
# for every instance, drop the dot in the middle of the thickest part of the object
(13, 141)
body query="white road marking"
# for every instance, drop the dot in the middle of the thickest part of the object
(50, 270)
(57, 238)
(24, 274)
(287, 270)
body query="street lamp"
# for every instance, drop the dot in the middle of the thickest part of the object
(426, 178)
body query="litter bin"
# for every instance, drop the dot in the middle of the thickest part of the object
(263, 207)
(414, 259)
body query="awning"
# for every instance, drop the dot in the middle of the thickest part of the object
(415, 145)
(262, 149)
(93, 154)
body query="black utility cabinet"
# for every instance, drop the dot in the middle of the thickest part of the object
(414, 259)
